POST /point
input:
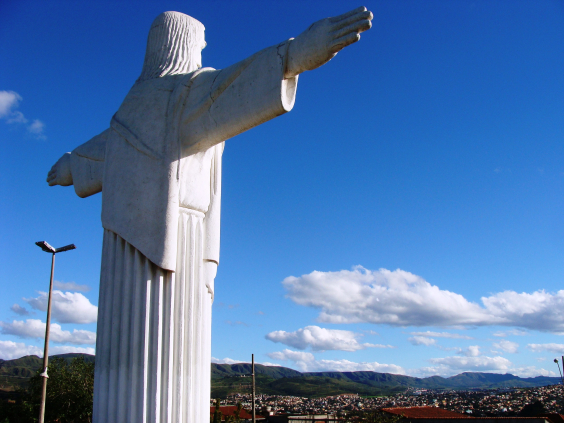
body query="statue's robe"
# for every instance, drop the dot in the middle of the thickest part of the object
(159, 169)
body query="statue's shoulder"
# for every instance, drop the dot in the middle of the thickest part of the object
(187, 79)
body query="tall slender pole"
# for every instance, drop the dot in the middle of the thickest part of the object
(254, 389)
(48, 249)
(556, 361)
(46, 348)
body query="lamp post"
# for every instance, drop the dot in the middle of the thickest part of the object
(48, 249)
(556, 361)
(254, 389)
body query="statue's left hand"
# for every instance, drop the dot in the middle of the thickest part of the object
(210, 270)
(60, 173)
(324, 39)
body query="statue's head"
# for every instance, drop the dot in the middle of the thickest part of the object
(174, 46)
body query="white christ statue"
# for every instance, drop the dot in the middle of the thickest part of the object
(158, 167)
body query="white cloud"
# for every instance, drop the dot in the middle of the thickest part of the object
(66, 349)
(10, 350)
(306, 362)
(507, 346)
(67, 307)
(18, 309)
(36, 127)
(514, 332)
(474, 364)
(400, 298)
(226, 361)
(441, 335)
(9, 102)
(471, 351)
(422, 340)
(531, 371)
(540, 310)
(552, 347)
(71, 286)
(35, 328)
(321, 339)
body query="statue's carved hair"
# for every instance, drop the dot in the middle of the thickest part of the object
(171, 37)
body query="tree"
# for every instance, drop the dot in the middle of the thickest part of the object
(217, 412)
(371, 416)
(532, 410)
(238, 412)
(70, 393)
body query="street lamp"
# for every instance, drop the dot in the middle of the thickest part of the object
(556, 361)
(48, 249)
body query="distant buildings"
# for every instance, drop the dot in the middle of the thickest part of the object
(424, 406)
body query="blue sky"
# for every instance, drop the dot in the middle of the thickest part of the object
(405, 216)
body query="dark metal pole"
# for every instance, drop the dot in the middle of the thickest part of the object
(254, 389)
(556, 361)
(561, 377)
(48, 249)
(46, 348)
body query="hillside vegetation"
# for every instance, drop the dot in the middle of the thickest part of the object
(235, 378)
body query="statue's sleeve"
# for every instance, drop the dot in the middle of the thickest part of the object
(224, 103)
(211, 221)
(87, 165)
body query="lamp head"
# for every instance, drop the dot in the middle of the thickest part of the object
(45, 247)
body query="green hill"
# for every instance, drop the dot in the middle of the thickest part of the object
(226, 379)
(274, 380)
(14, 374)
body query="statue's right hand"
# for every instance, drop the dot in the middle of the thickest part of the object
(60, 173)
(324, 39)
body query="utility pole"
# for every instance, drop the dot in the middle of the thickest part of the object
(48, 249)
(254, 388)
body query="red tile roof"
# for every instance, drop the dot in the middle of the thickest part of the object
(553, 417)
(229, 410)
(424, 412)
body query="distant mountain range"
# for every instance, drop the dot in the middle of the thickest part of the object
(231, 378)
(283, 381)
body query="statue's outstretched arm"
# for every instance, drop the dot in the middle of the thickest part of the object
(222, 104)
(60, 173)
(83, 167)
(324, 39)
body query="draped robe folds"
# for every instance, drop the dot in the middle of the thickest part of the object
(158, 167)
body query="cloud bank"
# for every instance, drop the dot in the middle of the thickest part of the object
(476, 363)
(67, 307)
(400, 298)
(10, 350)
(306, 362)
(35, 328)
(506, 346)
(71, 286)
(321, 339)
(18, 309)
(422, 340)
(431, 334)
(9, 102)
(552, 347)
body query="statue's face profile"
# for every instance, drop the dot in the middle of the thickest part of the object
(196, 53)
